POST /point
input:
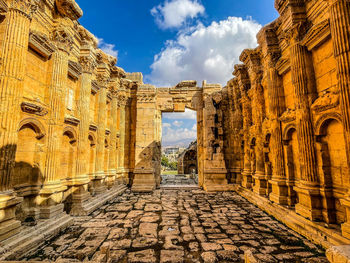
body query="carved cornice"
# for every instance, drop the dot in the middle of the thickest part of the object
(317, 35)
(288, 116)
(69, 8)
(74, 69)
(328, 100)
(103, 58)
(87, 38)
(71, 120)
(62, 39)
(295, 8)
(32, 108)
(103, 79)
(117, 72)
(26, 7)
(41, 44)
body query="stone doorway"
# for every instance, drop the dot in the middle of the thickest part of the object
(152, 102)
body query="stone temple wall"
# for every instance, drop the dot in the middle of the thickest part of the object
(75, 128)
(287, 138)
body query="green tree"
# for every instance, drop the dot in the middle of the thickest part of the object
(165, 161)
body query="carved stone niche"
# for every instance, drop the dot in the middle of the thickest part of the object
(69, 8)
(74, 70)
(71, 120)
(32, 108)
(40, 44)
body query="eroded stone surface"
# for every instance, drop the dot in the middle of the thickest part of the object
(186, 226)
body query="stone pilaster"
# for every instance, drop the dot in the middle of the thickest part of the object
(122, 171)
(339, 21)
(100, 175)
(244, 86)
(112, 172)
(13, 68)
(51, 193)
(147, 148)
(268, 40)
(79, 184)
(252, 59)
(308, 191)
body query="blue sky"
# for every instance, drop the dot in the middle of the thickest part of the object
(173, 40)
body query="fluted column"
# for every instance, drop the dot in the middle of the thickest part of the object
(13, 66)
(122, 171)
(99, 176)
(113, 151)
(307, 189)
(51, 194)
(278, 181)
(339, 22)
(247, 113)
(80, 182)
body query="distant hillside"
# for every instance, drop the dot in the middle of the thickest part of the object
(181, 143)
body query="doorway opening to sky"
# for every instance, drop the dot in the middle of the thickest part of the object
(179, 149)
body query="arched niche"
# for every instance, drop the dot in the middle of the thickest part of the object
(68, 153)
(332, 166)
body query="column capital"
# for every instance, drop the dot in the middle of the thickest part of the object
(88, 63)
(26, 7)
(62, 39)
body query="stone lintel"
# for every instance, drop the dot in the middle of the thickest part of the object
(69, 8)
(317, 35)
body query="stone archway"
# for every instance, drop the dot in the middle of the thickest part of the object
(151, 103)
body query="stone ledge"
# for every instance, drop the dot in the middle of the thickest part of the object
(339, 254)
(29, 239)
(313, 231)
(99, 200)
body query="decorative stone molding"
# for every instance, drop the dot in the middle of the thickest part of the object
(283, 66)
(69, 8)
(93, 127)
(74, 69)
(32, 108)
(40, 43)
(328, 100)
(62, 39)
(94, 87)
(108, 131)
(69, 119)
(103, 79)
(317, 35)
(187, 83)
(87, 63)
(146, 98)
(117, 72)
(288, 116)
(3, 8)
(86, 37)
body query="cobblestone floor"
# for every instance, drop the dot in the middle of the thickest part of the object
(180, 226)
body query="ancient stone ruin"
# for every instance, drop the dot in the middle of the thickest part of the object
(81, 146)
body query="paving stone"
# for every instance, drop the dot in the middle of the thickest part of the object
(171, 256)
(178, 226)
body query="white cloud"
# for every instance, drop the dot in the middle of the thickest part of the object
(176, 135)
(175, 13)
(107, 48)
(194, 128)
(166, 125)
(204, 53)
(187, 115)
(178, 123)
